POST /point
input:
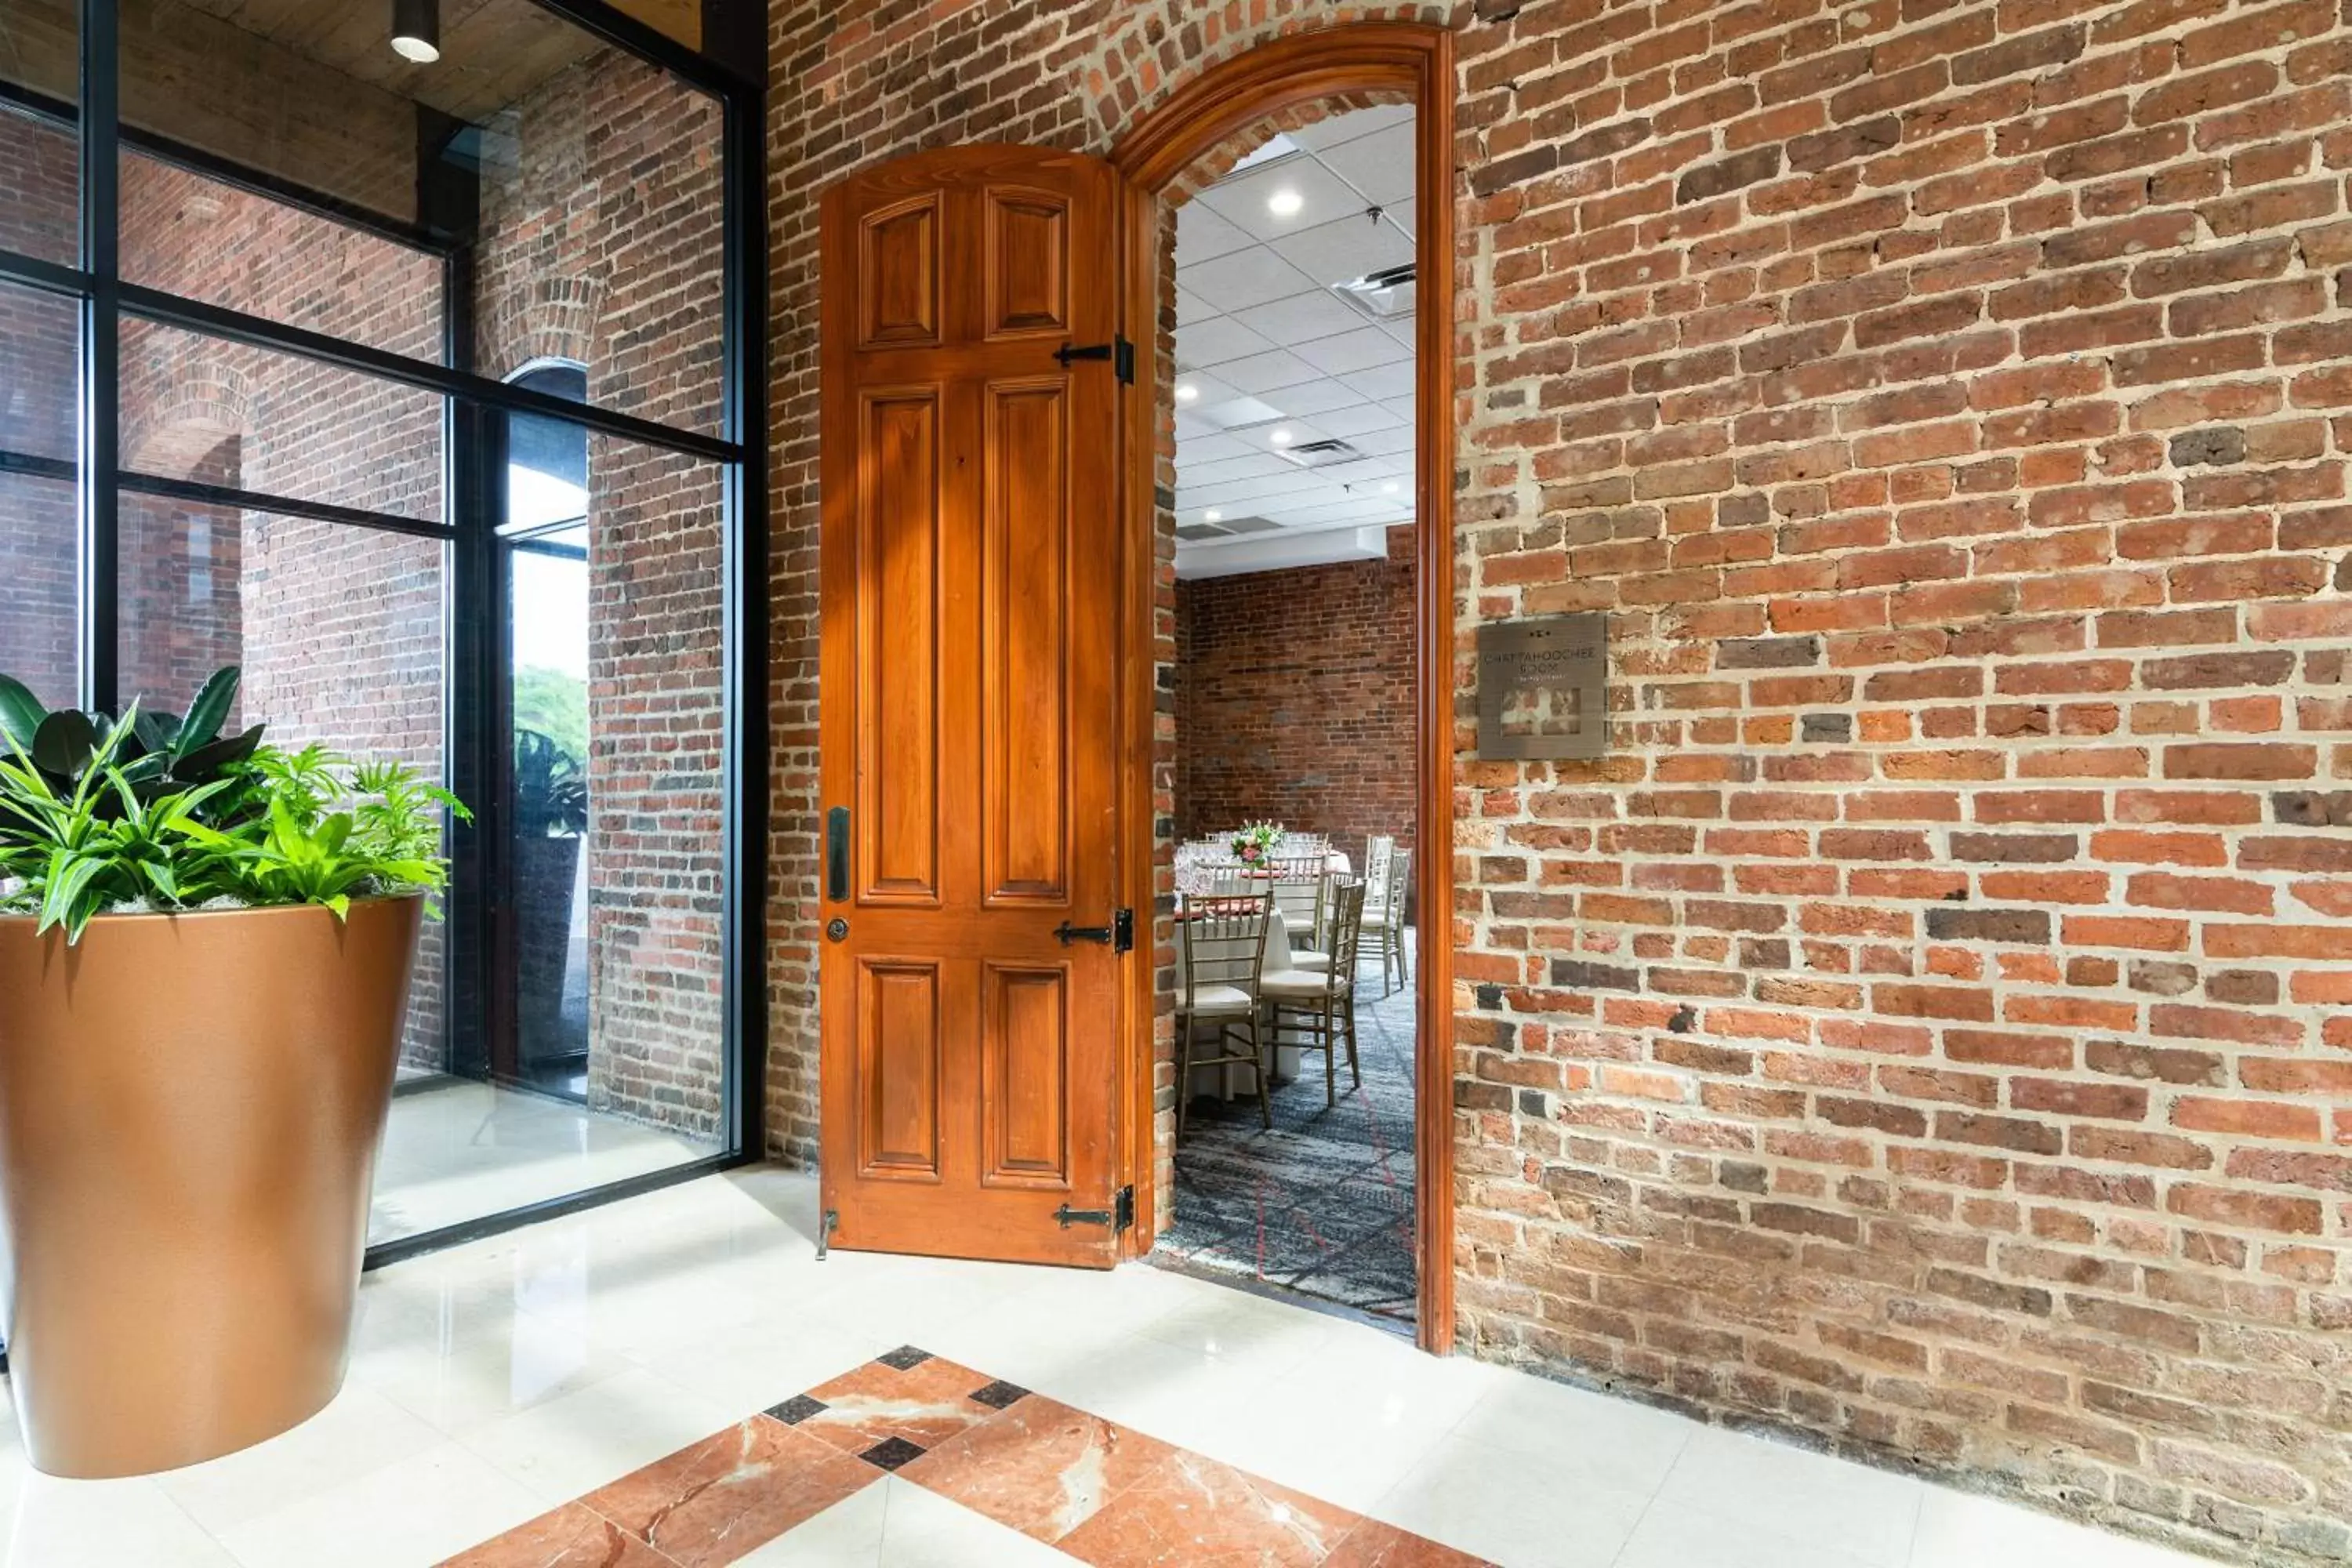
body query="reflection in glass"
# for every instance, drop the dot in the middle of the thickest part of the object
(204, 408)
(39, 526)
(204, 240)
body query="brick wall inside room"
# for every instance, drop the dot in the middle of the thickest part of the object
(1925, 1030)
(1294, 700)
(602, 245)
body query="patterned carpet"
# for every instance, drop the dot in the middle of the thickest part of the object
(1321, 1205)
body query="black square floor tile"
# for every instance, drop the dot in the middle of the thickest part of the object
(905, 1357)
(997, 1395)
(890, 1453)
(796, 1409)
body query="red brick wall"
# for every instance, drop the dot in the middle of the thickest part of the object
(603, 245)
(1927, 1025)
(1925, 1028)
(1294, 700)
(39, 524)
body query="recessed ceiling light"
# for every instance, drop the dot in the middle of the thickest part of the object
(1285, 202)
(1186, 392)
(1279, 436)
(417, 30)
(1212, 515)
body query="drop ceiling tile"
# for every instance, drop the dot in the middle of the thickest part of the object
(1380, 165)
(1295, 433)
(1243, 200)
(1348, 248)
(1360, 477)
(1239, 411)
(1347, 127)
(1318, 314)
(1206, 449)
(1268, 371)
(1316, 397)
(1188, 425)
(1400, 406)
(1229, 492)
(1279, 145)
(1357, 420)
(1214, 341)
(1190, 308)
(1244, 464)
(1390, 440)
(1202, 236)
(1243, 278)
(1405, 215)
(1206, 389)
(1359, 350)
(1384, 382)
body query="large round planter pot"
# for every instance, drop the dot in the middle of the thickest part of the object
(189, 1112)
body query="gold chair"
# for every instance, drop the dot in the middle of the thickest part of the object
(1384, 917)
(1320, 1004)
(1224, 961)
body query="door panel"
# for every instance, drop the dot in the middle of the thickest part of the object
(1024, 1091)
(899, 546)
(898, 1088)
(970, 568)
(1025, 637)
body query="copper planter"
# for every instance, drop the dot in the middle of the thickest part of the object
(190, 1106)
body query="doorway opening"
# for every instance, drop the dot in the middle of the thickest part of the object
(1293, 407)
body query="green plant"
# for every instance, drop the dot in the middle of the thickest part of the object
(550, 794)
(149, 811)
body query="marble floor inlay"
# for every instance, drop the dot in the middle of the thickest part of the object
(1090, 1490)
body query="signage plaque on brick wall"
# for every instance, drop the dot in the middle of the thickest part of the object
(1543, 687)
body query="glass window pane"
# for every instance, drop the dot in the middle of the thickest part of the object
(40, 180)
(602, 195)
(197, 407)
(198, 238)
(40, 77)
(41, 528)
(309, 93)
(340, 633)
(614, 688)
(39, 546)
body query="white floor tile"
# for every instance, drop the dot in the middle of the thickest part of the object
(578, 1442)
(924, 1530)
(1959, 1530)
(1512, 1508)
(403, 1516)
(1682, 1538)
(1777, 1489)
(54, 1523)
(1587, 1438)
(360, 1432)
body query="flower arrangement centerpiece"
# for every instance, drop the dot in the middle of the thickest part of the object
(1254, 845)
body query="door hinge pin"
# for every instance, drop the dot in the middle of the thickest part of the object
(824, 1232)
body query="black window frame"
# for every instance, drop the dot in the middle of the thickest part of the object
(472, 488)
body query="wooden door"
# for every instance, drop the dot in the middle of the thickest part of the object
(970, 562)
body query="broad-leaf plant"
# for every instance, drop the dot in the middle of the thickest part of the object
(152, 812)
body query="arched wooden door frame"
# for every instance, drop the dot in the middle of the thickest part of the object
(1281, 74)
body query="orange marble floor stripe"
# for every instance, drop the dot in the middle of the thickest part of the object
(1097, 1492)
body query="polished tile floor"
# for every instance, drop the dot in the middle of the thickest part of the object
(614, 1356)
(455, 1149)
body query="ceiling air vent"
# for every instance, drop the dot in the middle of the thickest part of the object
(1384, 296)
(1195, 531)
(1321, 454)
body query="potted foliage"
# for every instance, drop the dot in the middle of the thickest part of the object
(550, 813)
(204, 955)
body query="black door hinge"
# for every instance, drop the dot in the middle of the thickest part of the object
(1118, 1216)
(1119, 351)
(1122, 928)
